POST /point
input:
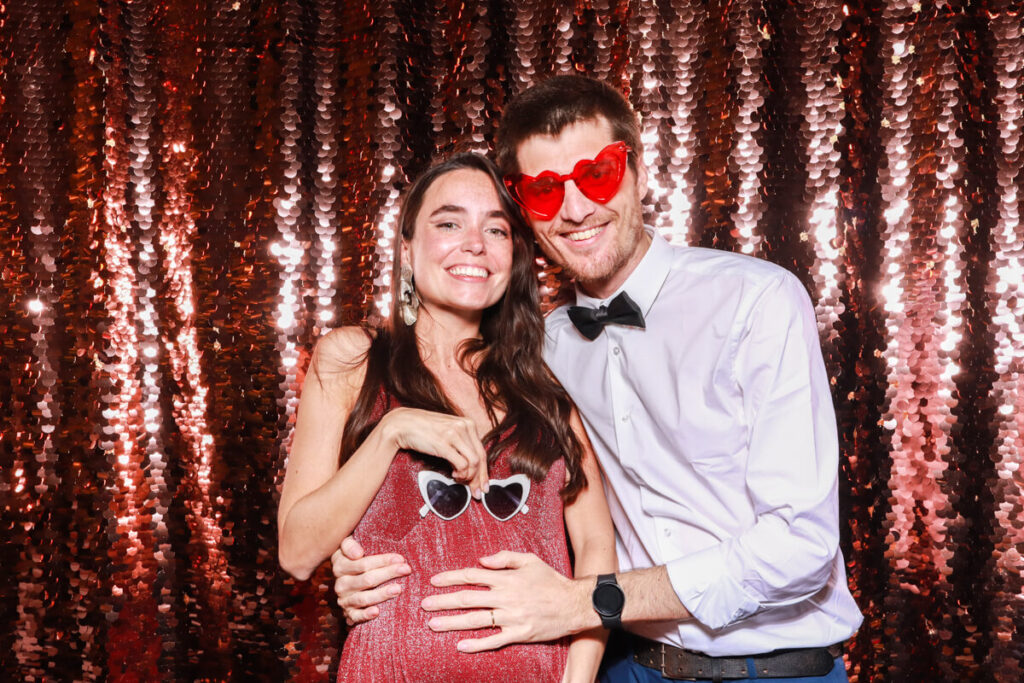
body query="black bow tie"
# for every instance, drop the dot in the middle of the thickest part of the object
(620, 311)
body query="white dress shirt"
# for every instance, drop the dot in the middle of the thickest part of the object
(715, 430)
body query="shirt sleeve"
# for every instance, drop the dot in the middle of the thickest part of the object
(791, 472)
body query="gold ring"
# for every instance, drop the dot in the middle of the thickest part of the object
(493, 625)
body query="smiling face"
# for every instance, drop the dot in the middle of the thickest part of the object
(598, 244)
(461, 249)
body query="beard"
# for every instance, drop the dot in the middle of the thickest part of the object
(629, 238)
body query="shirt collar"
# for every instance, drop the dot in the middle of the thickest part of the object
(644, 283)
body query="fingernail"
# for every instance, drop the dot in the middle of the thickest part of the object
(405, 569)
(487, 487)
(433, 624)
(461, 647)
(426, 603)
(394, 589)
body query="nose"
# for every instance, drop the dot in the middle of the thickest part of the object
(473, 240)
(576, 206)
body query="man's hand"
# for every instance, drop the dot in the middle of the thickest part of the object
(358, 580)
(526, 599)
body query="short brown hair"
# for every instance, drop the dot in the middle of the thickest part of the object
(553, 104)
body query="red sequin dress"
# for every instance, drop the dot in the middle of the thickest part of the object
(398, 645)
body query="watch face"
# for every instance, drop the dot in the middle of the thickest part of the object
(608, 599)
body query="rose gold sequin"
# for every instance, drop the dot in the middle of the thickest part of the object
(192, 193)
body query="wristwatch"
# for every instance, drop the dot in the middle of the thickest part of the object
(608, 600)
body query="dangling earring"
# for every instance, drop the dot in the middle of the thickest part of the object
(407, 299)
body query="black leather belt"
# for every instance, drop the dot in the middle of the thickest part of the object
(686, 665)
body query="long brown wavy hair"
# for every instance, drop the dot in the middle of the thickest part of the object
(510, 374)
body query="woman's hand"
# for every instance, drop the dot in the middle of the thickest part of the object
(450, 437)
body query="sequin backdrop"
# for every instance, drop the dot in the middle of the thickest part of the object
(190, 193)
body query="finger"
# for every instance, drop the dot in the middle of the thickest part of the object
(481, 644)
(481, 481)
(468, 437)
(371, 579)
(473, 471)
(473, 599)
(470, 621)
(369, 598)
(469, 475)
(475, 443)
(360, 616)
(481, 478)
(336, 558)
(459, 462)
(345, 567)
(464, 577)
(351, 549)
(506, 559)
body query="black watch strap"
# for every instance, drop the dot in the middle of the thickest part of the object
(608, 600)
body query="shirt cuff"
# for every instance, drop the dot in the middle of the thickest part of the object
(705, 587)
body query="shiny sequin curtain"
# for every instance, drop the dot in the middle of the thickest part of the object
(191, 193)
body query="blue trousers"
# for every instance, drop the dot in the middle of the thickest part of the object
(618, 666)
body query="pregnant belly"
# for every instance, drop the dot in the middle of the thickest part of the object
(399, 646)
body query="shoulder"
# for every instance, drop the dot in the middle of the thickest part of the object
(766, 299)
(729, 293)
(716, 264)
(342, 354)
(724, 276)
(345, 345)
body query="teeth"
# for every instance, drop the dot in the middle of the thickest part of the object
(581, 235)
(468, 271)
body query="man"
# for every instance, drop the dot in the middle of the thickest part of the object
(699, 376)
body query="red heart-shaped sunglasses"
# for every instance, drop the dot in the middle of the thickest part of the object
(598, 179)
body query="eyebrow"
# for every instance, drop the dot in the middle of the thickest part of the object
(455, 208)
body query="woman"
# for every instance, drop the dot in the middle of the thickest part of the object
(455, 441)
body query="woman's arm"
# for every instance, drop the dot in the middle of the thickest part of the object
(320, 503)
(592, 535)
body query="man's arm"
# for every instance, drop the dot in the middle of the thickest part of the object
(790, 473)
(650, 597)
(534, 603)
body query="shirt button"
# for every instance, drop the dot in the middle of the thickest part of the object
(668, 532)
(625, 418)
(615, 350)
